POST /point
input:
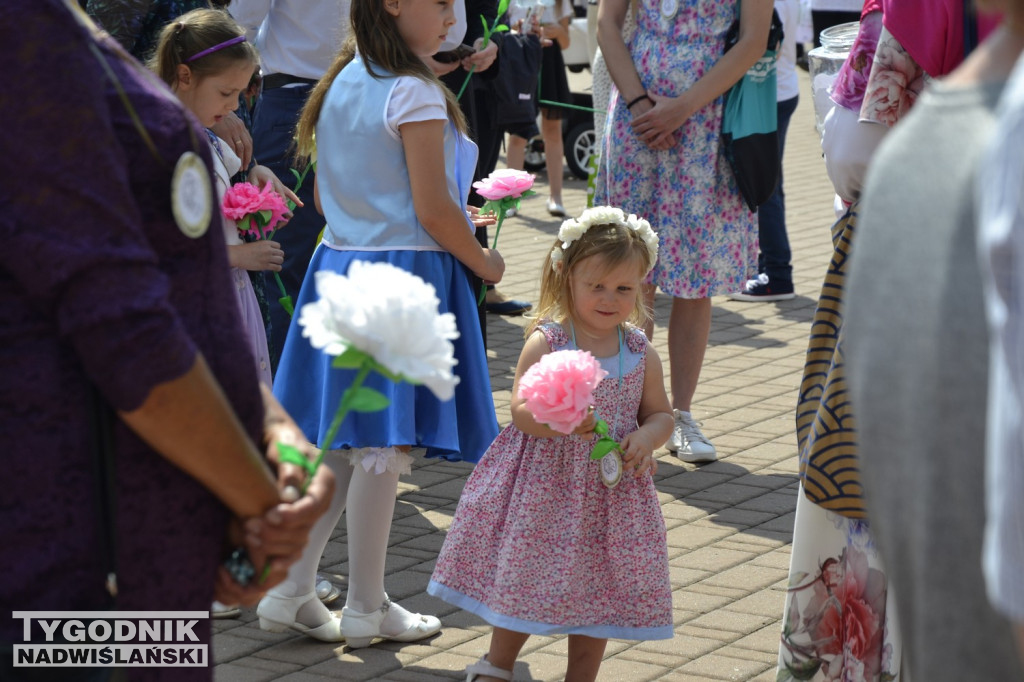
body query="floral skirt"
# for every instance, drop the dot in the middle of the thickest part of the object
(840, 617)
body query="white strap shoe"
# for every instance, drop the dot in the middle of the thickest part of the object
(278, 614)
(360, 629)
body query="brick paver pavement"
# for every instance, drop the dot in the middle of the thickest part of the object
(729, 522)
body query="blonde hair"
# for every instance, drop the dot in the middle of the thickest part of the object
(373, 33)
(193, 32)
(614, 244)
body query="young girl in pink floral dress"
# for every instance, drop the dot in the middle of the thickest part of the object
(540, 543)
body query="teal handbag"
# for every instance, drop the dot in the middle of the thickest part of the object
(749, 122)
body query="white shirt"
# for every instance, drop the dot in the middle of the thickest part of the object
(787, 83)
(413, 100)
(296, 37)
(1000, 250)
(543, 11)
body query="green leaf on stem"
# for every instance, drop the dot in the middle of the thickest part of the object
(263, 217)
(286, 303)
(502, 7)
(500, 27)
(289, 454)
(366, 399)
(601, 427)
(298, 178)
(603, 447)
(352, 358)
(487, 31)
(387, 373)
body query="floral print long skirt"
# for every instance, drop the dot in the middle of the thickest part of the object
(840, 617)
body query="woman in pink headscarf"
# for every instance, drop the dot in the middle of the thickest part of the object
(839, 619)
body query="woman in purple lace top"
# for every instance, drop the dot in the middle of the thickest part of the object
(101, 290)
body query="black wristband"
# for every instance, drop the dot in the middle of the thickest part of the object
(641, 97)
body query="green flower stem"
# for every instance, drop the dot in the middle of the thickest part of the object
(466, 82)
(604, 444)
(488, 31)
(497, 231)
(285, 300)
(299, 179)
(501, 218)
(339, 416)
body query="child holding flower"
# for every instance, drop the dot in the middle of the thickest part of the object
(204, 57)
(393, 174)
(545, 540)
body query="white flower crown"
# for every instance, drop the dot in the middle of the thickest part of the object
(574, 228)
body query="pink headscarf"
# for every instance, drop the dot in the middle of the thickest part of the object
(932, 31)
(852, 79)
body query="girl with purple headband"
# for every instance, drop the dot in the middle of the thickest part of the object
(206, 60)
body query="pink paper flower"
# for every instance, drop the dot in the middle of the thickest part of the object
(559, 388)
(504, 183)
(244, 199)
(240, 200)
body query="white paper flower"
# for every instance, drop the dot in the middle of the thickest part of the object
(570, 231)
(390, 314)
(574, 228)
(556, 258)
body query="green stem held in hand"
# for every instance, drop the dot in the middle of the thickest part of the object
(497, 231)
(604, 444)
(488, 31)
(291, 455)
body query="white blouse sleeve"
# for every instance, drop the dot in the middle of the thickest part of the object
(415, 100)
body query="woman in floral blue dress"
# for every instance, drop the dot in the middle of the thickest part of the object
(661, 159)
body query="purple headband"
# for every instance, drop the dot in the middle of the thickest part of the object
(218, 46)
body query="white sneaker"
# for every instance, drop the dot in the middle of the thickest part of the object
(762, 289)
(687, 441)
(218, 610)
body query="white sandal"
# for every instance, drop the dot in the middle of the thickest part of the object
(484, 667)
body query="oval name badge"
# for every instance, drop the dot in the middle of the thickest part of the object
(611, 469)
(191, 195)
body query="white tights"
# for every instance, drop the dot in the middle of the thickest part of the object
(370, 501)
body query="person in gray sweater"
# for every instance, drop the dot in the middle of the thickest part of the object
(917, 364)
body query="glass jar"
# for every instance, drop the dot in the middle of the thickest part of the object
(824, 63)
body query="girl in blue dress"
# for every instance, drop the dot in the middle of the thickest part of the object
(393, 175)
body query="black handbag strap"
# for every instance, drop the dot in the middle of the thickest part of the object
(775, 32)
